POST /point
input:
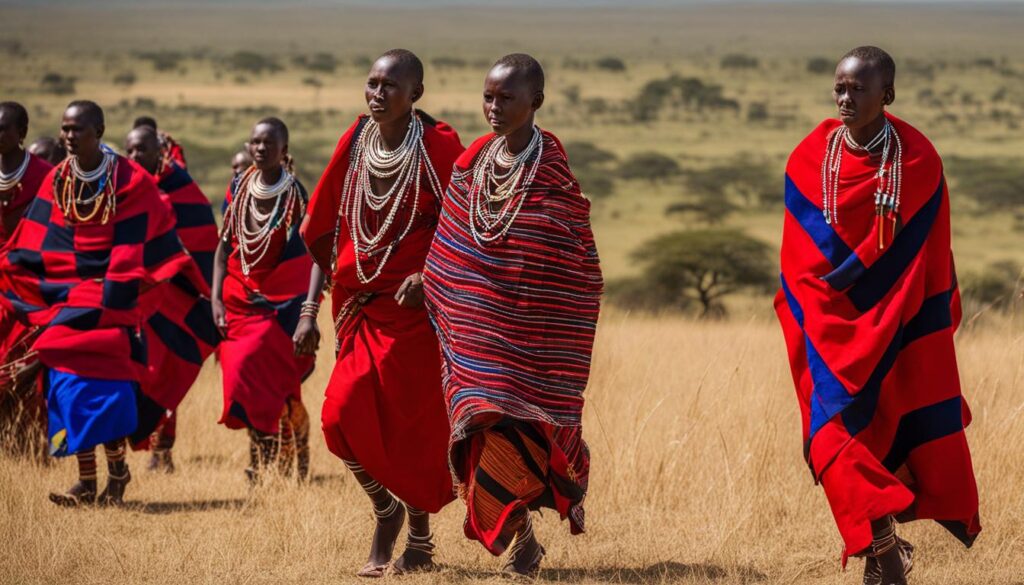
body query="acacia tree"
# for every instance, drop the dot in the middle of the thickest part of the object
(704, 266)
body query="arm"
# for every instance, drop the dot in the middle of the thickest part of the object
(307, 334)
(220, 269)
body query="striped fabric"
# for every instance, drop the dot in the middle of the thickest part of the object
(81, 282)
(870, 340)
(516, 321)
(259, 367)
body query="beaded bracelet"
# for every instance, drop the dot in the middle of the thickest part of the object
(309, 309)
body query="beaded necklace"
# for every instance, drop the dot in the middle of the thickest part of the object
(889, 177)
(70, 184)
(489, 186)
(254, 242)
(11, 181)
(362, 208)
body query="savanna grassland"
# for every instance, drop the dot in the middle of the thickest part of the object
(697, 469)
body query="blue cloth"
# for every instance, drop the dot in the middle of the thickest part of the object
(85, 412)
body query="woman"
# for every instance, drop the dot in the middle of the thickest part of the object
(265, 296)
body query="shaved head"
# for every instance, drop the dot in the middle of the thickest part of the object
(145, 134)
(878, 59)
(143, 146)
(90, 111)
(526, 67)
(407, 61)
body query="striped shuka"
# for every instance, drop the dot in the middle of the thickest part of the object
(516, 321)
(870, 339)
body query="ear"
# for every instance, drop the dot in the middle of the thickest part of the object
(417, 93)
(284, 151)
(100, 129)
(889, 96)
(538, 101)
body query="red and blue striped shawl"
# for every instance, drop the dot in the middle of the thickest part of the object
(870, 336)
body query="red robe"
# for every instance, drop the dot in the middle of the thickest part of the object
(260, 369)
(384, 408)
(870, 340)
(82, 283)
(180, 332)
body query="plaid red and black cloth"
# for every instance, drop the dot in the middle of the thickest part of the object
(17, 202)
(82, 282)
(179, 331)
(516, 320)
(870, 338)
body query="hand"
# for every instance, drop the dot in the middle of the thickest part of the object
(220, 317)
(25, 376)
(307, 336)
(410, 294)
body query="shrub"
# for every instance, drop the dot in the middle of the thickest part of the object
(613, 64)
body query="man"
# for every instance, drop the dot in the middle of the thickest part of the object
(180, 331)
(868, 306)
(171, 150)
(49, 149)
(513, 285)
(22, 408)
(369, 225)
(96, 237)
(241, 161)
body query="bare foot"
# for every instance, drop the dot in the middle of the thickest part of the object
(389, 526)
(83, 493)
(418, 556)
(113, 494)
(161, 461)
(524, 557)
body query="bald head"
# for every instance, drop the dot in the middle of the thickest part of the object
(143, 146)
(881, 61)
(49, 149)
(524, 68)
(405, 63)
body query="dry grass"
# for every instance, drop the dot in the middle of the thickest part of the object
(697, 478)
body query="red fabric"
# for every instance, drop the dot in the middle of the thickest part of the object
(259, 367)
(180, 333)
(384, 407)
(869, 334)
(173, 150)
(25, 192)
(81, 281)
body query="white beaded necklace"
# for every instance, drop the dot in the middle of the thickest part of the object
(253, 243)
(889, 176)
(9, 181)
(407, 164)
(488, 225)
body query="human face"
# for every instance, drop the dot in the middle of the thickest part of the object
(11, 136)
(267, 147)
(144, 148)
(860, 92)
(80, 135)
(240, 162)
(509, 104)
(391, 90)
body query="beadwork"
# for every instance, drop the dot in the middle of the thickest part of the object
(368, 215)
(10, 181)
(489, 186)
(253, 243)
(70, 183)
(889, 176)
